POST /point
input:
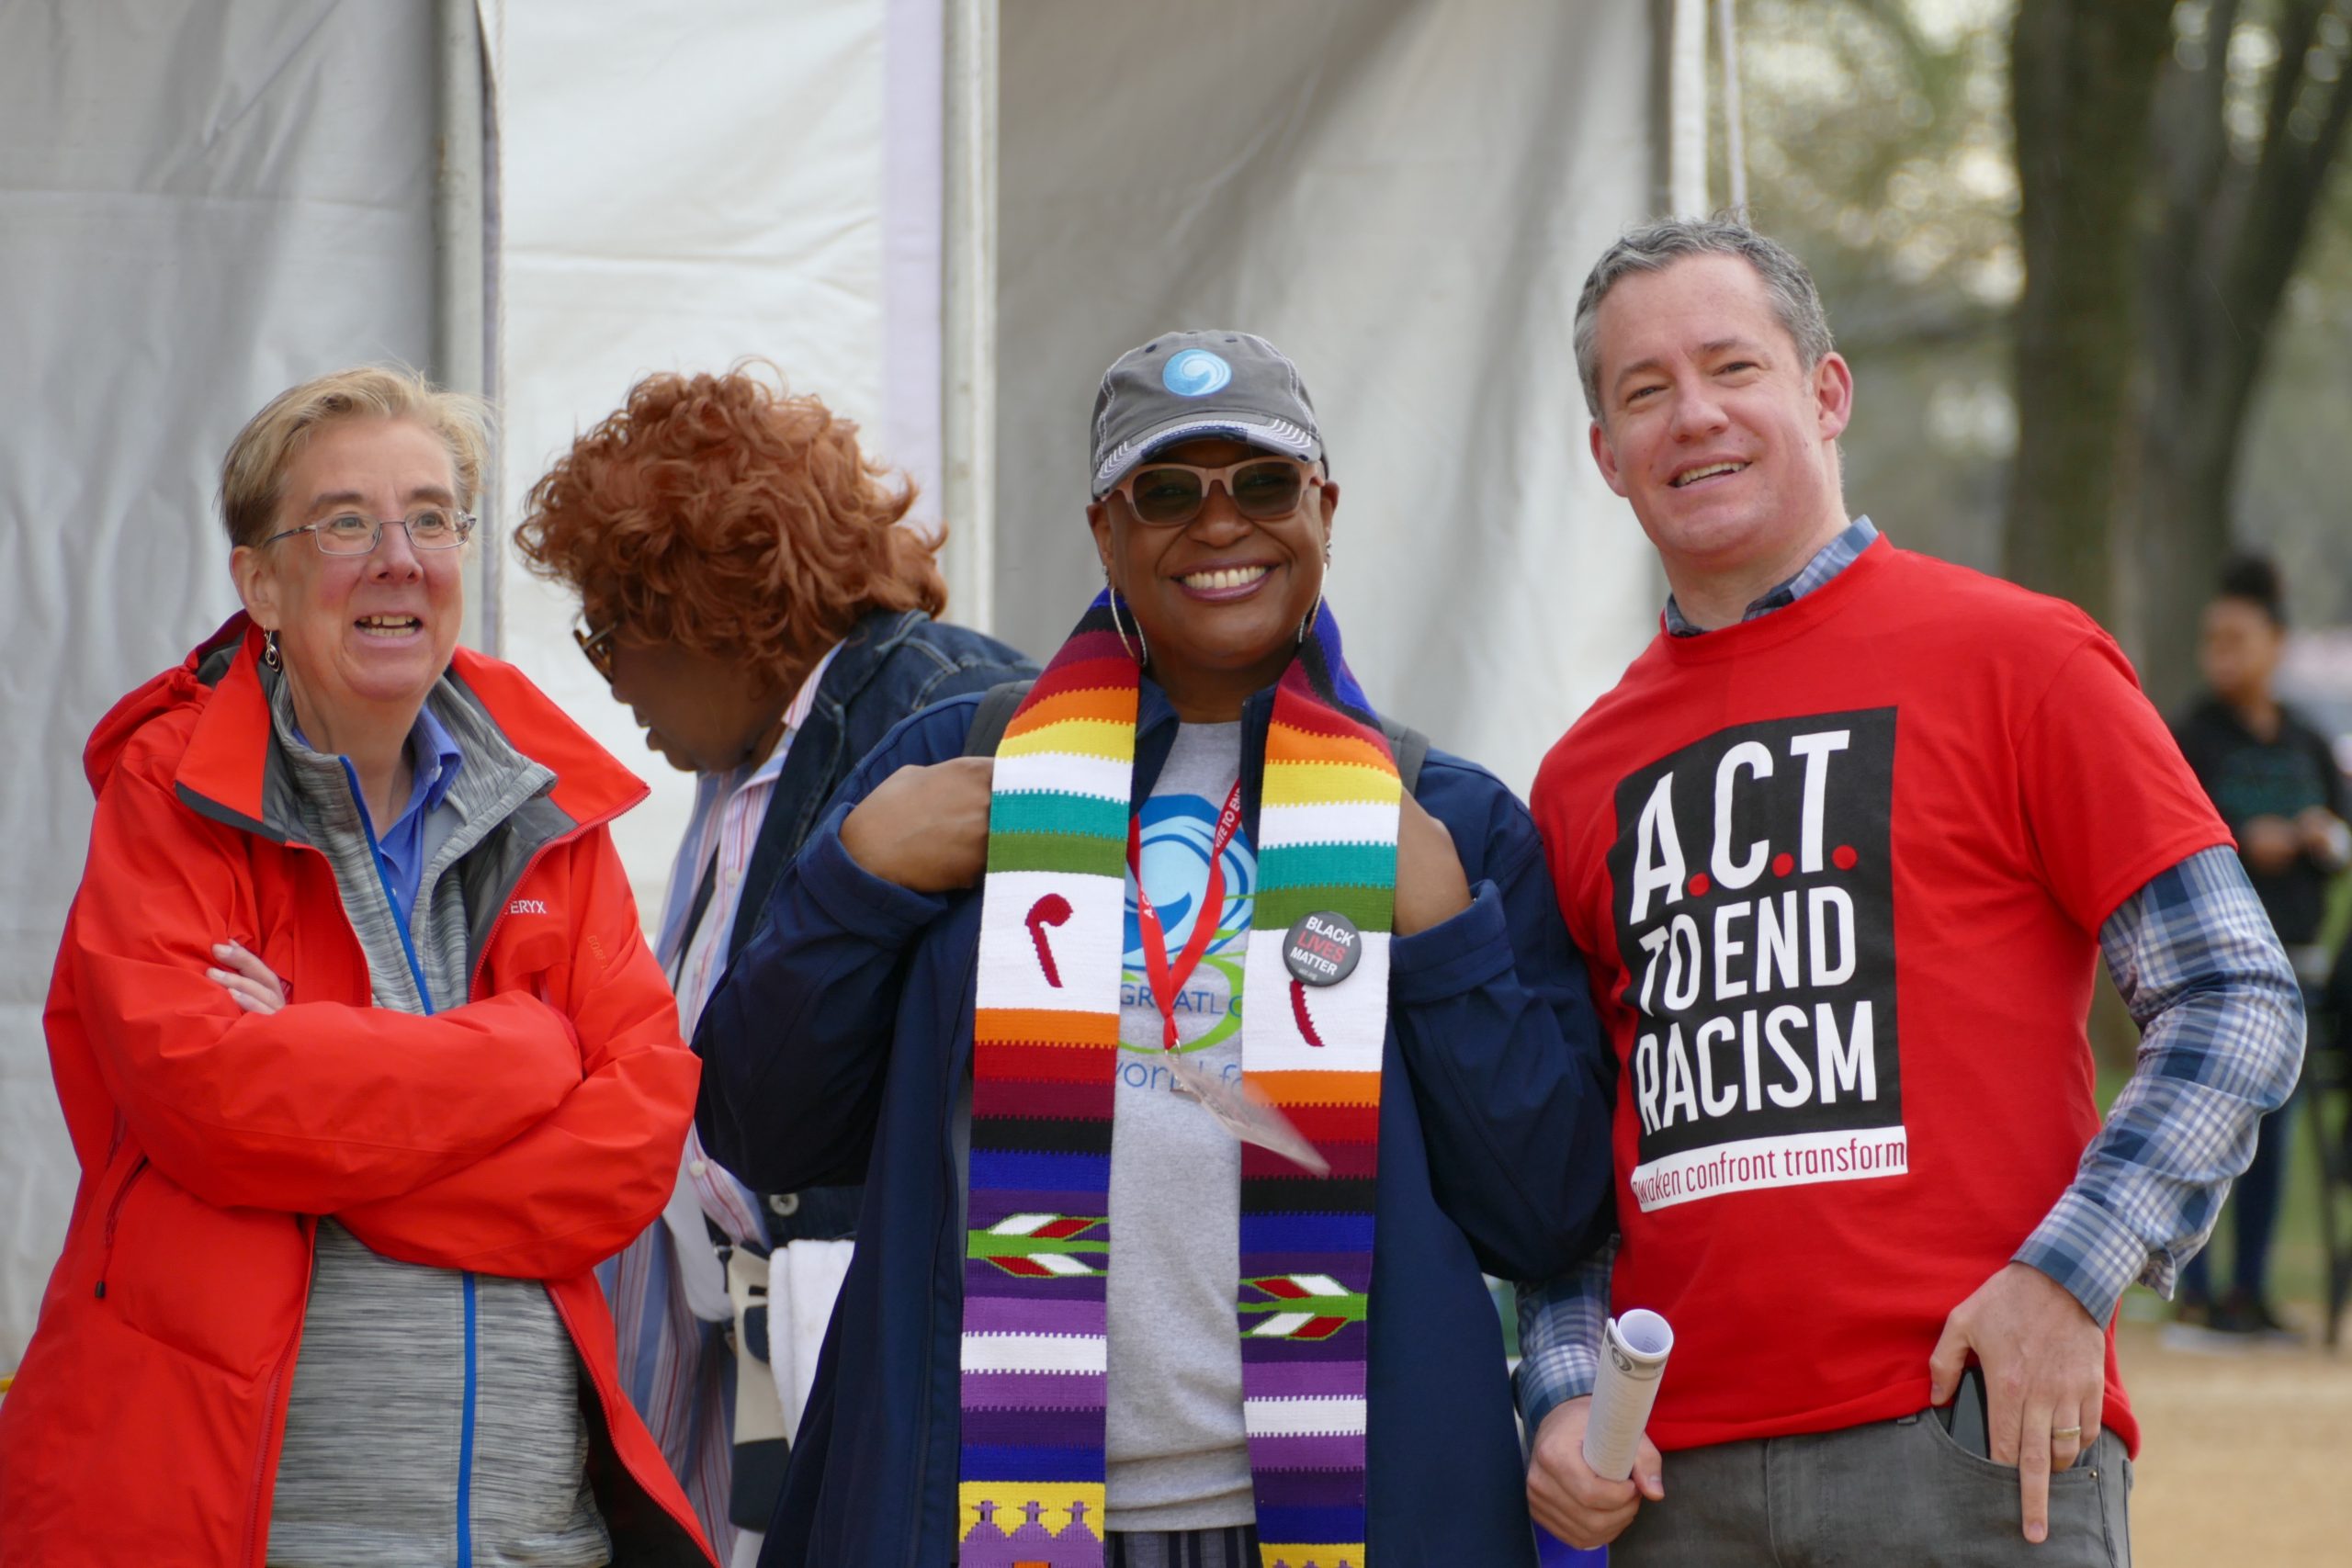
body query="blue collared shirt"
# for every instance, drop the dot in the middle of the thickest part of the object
(434, 760)
(2221, 1043)
(1827, 563)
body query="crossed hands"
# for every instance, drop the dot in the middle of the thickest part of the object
(927, 828)
(250, 983)
(2044, 1361)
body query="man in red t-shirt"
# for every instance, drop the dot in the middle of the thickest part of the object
(1842, 847)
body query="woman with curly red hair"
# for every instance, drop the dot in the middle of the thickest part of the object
(748, 588)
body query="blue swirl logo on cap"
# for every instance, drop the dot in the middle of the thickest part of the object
(1195, 373)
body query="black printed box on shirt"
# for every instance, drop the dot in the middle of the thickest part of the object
(1755, 909)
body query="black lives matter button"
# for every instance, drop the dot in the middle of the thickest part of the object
(1323, 948)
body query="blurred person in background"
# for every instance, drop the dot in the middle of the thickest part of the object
(2274, 782)
(749, 589)
(366, 1063)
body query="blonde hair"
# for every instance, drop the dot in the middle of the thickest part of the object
(253, 475)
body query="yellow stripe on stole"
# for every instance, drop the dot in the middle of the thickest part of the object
(1323, 1555)
(1077, 737)
(1319, 783)
(1011, 1499)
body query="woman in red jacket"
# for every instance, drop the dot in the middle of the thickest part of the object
(365, 1061)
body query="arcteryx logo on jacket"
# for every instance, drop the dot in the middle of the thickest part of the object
(1756, 919)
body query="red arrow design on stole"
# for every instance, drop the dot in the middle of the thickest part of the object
(1298, 1011)
(1053, 910)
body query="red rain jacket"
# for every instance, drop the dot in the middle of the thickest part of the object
(529, 1132)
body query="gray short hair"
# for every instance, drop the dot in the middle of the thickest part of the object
(253, 473)
(1654, 247)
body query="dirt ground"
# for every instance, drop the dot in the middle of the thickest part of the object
(2245, 1454)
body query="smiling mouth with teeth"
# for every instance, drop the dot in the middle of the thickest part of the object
(1230, 577)
(1710, 471)
(388, 625)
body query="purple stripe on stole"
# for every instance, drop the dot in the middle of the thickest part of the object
(1033, 1391)
(982, 1277)
(1025, 1312)
(1043, 1426)
(1306, 1380)
(1324, 1450)
(1353, 1270)
(1333, 1488)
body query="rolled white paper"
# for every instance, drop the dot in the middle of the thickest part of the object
(1632, 1360)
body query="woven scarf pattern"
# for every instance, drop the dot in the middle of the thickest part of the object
(1035, 1349)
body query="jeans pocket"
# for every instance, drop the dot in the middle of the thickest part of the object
(1977, 1497)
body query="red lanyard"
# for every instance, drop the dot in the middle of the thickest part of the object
(1166, 979)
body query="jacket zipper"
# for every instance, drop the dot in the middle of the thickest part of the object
(467, 1409)
(274, 1413)
(466, 1429)
(114, 1212)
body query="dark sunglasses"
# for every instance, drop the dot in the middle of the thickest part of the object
(1169, 495)
(598, 648)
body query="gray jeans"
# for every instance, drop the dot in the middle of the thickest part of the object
(1889, 1492)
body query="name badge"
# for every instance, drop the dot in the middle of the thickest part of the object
(1323, 949)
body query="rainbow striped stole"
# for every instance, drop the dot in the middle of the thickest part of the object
(1046, 1041)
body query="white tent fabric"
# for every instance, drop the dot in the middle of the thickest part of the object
(1403, 196)
(684, 188)
(198, 206)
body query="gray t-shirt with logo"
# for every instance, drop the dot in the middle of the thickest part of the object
(1177, 1456)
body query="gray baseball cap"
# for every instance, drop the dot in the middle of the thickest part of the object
(1183, 386)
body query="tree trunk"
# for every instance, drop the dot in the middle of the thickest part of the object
(2227, 236)
(2082, 75)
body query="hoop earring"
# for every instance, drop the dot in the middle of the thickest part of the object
(1141, 651)
(269, 654)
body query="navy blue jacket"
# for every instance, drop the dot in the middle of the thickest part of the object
(839, 1045)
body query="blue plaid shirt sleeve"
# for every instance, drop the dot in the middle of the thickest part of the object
(2221, 1043)
(1560, 1327)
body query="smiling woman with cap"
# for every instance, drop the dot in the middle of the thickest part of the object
(1144, 1277)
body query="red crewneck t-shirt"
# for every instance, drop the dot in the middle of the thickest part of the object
(1839, 872)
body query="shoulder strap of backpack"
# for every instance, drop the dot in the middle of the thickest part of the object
(1411, 748)
(998, 705)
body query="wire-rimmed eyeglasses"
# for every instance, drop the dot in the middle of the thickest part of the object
(356, 533)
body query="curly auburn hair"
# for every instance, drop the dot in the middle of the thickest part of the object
(718, 514)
